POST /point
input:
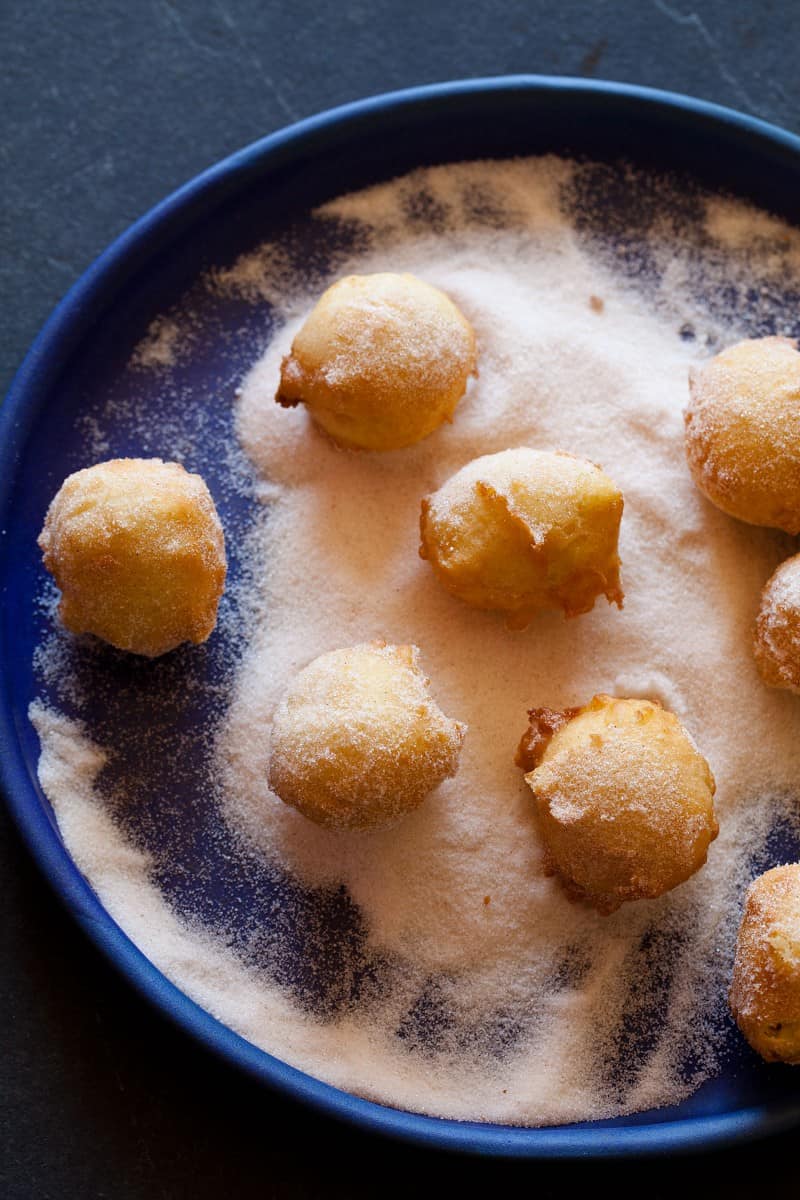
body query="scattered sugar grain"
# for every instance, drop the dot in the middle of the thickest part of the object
(160, 346)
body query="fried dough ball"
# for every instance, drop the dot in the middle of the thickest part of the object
(381, 361)
(623, 796)
(358, 741)
(743, 431)
(777, 636)
(525, 530)
(765, 990)
(137, 549)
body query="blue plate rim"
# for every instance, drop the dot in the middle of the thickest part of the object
(61, 333)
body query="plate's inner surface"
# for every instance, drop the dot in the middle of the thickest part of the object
(251, 913)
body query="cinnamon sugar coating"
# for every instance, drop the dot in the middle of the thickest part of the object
(624, 799)
(765, 989)
(526, 530)
(743, 431)
(357, 741)
(380, 362)
(137, 549)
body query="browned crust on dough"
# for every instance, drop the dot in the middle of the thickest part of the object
(543, 723)
(425, 506)
(289, 393)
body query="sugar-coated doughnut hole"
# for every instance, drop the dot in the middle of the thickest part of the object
(776, 643)
(358, 741)
(137, 549)
(765, 989)
(623, 796)
(525, 530)
(743, 431)
(380, 362)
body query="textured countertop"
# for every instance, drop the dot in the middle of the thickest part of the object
(106, 109)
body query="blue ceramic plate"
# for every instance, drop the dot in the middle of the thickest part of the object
(78, 361)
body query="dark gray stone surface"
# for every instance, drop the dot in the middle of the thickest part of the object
(105, 109)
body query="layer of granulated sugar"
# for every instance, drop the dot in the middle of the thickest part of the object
(498, 999)
(341, 565)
